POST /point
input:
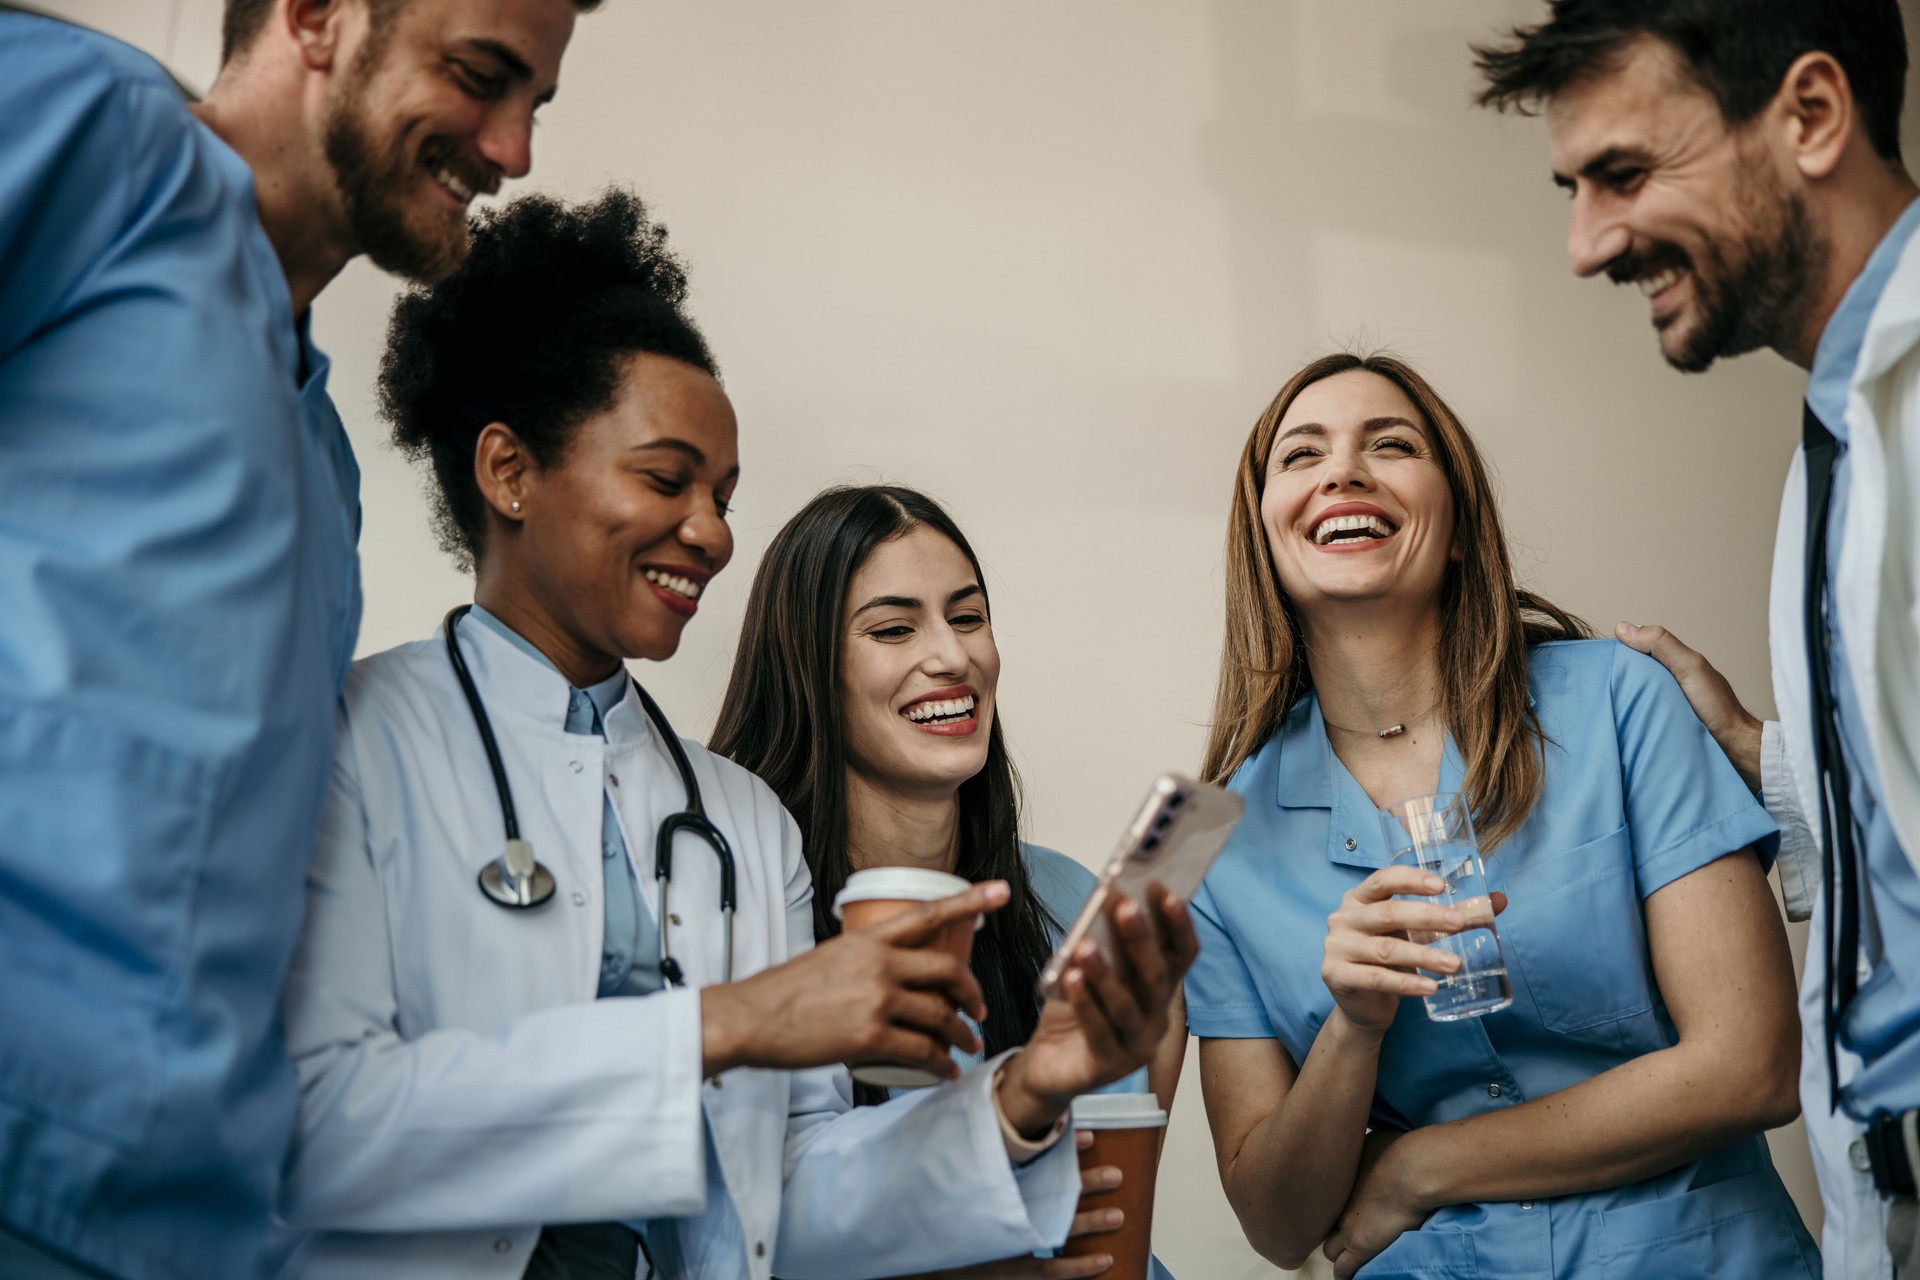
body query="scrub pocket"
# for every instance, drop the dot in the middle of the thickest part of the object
(1424, 1255)
(1577, 938)
(102, 839)
(1741, 1227)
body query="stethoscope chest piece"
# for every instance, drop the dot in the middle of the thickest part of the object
(516, 879)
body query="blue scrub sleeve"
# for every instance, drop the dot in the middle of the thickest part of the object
(1686, 805)
(1222, 1001)
(83, 138)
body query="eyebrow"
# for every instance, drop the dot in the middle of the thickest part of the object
(689, 451)
(516, 66)
(1607, 159)
(910, 602)
(1371, 424)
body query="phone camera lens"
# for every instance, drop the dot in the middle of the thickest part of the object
(1177, 799)
(1149, 844)
(1161, 820)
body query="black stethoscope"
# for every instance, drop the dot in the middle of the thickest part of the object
(516, 879)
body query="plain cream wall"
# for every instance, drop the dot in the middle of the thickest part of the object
(1048, 262)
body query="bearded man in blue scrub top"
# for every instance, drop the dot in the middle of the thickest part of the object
(180, 507)
(1739, 160)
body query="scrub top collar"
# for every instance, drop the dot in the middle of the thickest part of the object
(1310, 776)
(517, 680)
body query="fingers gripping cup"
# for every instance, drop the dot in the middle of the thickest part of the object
(880, 893)
(1126, 1130)
(1435, 834)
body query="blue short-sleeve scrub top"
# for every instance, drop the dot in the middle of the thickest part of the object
(1636, 795)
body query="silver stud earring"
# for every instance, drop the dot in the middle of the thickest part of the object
(514, 505)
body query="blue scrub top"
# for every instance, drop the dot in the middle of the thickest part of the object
(178, 512)
(1636, 795)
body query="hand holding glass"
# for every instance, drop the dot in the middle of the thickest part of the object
(1435, 834)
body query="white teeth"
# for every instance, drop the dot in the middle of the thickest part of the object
(947, 709)
(1326, 530)
(1650, 285)
(679, 586)
(453, 184)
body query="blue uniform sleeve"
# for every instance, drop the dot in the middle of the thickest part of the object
(1222, 1001)
(86, 126)
(1686, 806)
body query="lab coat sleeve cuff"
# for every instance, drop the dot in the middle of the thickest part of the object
(1019, 1149)
(1799, 857)
(1049, 1183)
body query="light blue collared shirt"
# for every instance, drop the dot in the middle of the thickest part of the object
(630, 944)
(178, 512)
(1636, 795)
(1883, 1023)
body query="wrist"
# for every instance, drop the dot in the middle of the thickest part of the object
(1032, 1113)
(1413, 1180)
(1350, 1035)
(722, 1041)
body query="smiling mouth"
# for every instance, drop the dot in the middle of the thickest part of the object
(1341, 529)
(1659, 282)
(675, 586)
(461, 191)
(944, 711)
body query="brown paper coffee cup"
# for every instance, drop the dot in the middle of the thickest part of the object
(1126, 1130)
(880, 893)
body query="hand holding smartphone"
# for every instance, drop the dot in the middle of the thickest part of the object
(1180, 829)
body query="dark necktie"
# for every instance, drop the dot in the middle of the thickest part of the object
(1839, 868)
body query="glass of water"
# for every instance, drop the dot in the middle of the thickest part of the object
(1435, 834)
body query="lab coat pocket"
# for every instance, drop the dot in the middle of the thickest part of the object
(1740, 1227)
(1437, 1254)
(102, 836)
(1575, 937)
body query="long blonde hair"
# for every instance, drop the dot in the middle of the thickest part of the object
(1487, 623)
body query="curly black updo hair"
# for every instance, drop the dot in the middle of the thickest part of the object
(531, 330)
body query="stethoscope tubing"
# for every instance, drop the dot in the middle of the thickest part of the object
(518, 881)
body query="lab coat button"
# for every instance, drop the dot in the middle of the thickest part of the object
(760, 1249)
(614, 778)
(574, 765)
(503, 1245)
(1352, 844)
(674, 917)
(1493, 1091)
(1857, 1156)
(579, 898)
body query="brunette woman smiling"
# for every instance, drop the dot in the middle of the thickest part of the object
(865, 693)
(1608, 1122)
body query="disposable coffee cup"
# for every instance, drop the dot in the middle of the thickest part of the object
(880, 893)
(1126, 1129)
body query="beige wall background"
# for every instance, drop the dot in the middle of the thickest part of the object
(1048, 262)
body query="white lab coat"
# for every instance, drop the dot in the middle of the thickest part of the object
(1877, 587)
(460, 1084)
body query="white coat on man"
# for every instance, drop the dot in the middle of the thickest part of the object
(1877, 587)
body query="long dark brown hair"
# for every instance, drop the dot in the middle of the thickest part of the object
(1487, 624)
(781, 719)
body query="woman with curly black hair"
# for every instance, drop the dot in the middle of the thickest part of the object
(578, 1060)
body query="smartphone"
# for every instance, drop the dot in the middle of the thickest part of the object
(1179, 831)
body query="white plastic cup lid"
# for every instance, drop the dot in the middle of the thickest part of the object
(1118, 1111)
(898, 884)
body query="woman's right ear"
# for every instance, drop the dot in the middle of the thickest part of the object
(502, 469)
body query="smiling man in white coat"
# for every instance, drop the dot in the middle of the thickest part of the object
(1739, 162)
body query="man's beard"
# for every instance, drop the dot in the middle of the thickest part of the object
(1751, 288)
(375, 179)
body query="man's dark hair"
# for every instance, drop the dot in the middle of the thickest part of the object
(1738, 50)
(242, 20)
(531, 330)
